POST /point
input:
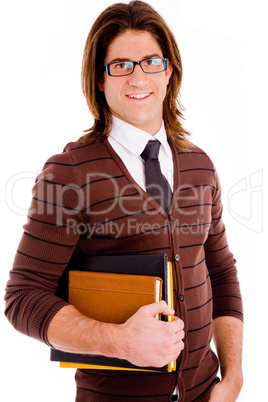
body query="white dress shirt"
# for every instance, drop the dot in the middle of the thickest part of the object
(129, 141)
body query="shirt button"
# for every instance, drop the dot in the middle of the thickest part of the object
(181, 297)
(177, 257)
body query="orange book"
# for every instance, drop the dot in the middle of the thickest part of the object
(110, 297)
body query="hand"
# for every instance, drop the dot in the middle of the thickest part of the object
(224, 392)
(151, 342)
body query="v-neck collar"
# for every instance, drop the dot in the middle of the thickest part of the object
(144, 194)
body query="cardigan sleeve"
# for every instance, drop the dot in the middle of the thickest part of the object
(45, 248)
(221, 264)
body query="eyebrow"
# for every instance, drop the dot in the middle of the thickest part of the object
(150, 56)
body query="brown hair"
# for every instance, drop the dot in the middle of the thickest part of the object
(112, 22)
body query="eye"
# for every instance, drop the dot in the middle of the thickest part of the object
(123, 65)
(153, 62)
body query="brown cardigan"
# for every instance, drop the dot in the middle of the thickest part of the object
(85, 201)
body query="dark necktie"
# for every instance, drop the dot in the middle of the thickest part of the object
(156, 183)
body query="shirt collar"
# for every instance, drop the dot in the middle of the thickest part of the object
(134, 139)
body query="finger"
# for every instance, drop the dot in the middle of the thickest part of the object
(179, 346)
(160, 307)
(180, 335)
(175, 351)
(177, 337)
(178, 323)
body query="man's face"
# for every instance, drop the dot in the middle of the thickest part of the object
(122, 93)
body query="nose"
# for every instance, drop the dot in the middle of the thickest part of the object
(138, 77)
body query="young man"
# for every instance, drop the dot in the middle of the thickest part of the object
(95, 198)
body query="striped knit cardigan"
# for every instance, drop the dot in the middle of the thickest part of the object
(86, 202)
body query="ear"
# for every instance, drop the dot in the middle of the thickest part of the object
(169, 71)
(100, 86)
(100, 78)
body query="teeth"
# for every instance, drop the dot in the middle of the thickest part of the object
(138, 96)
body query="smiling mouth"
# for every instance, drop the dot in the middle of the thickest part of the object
(139, 96)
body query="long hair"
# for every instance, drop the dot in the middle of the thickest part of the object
(112, 22)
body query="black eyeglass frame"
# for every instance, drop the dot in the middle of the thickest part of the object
(106, 68)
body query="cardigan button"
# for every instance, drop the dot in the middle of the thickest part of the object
(181, 296)
(177, 257)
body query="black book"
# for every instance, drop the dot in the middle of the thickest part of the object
(148, 265)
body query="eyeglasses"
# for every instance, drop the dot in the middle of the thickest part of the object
(148, 66)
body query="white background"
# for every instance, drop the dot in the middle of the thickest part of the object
(223, 45)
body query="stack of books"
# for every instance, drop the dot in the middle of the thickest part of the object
(111, 289)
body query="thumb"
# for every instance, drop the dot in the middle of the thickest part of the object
(160, 307)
